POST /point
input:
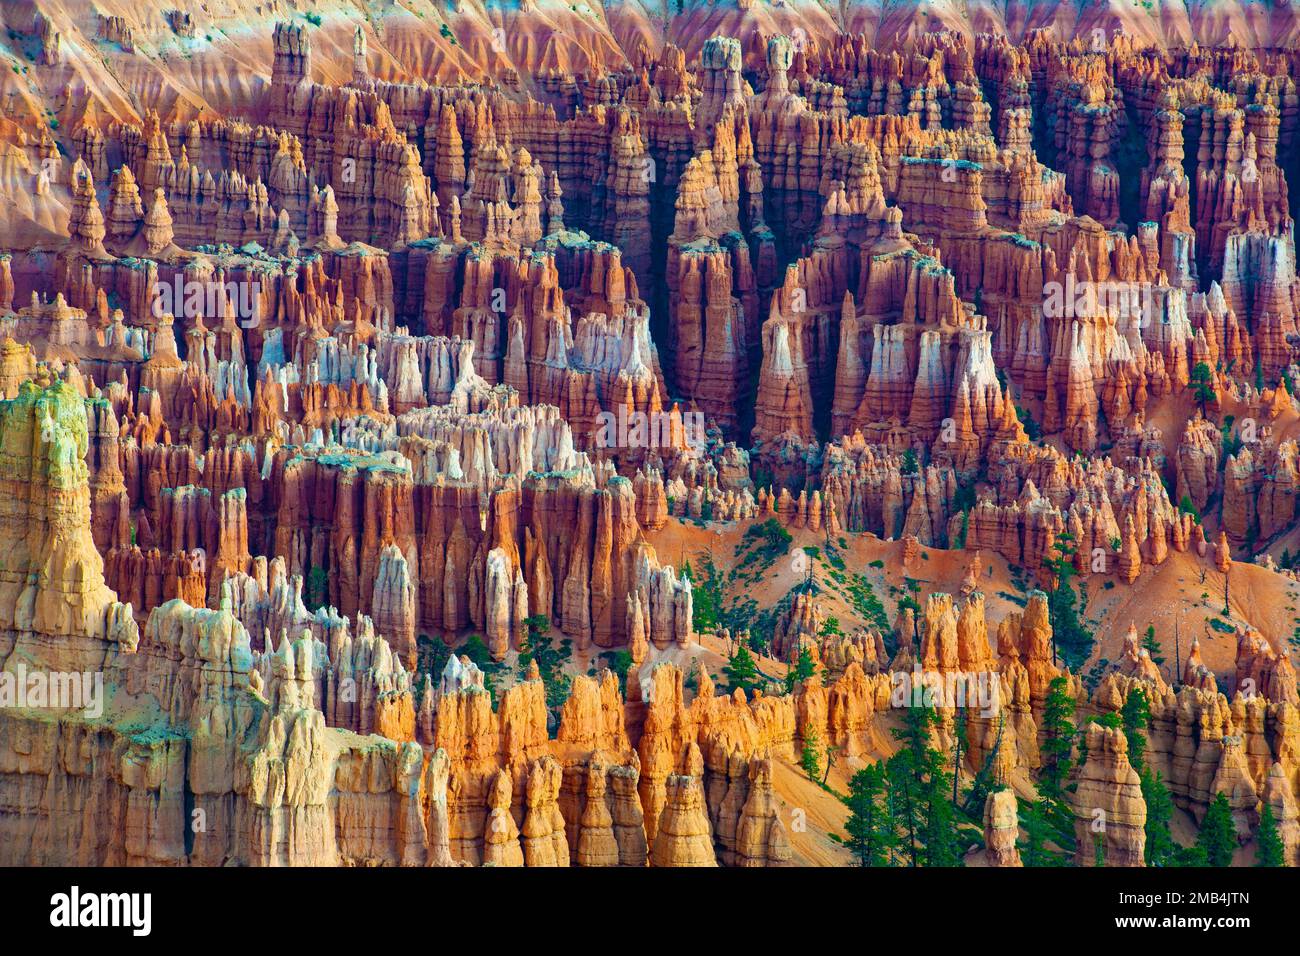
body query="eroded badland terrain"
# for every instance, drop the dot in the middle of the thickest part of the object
(625, 434)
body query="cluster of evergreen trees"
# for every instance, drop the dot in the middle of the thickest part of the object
(1216, 840)
(904, 811)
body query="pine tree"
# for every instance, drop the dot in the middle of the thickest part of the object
(808, 758)
(536, 627)
(830, 762)
(871, 837)
(915, 736)
(1032, 852)
(1134, 718)
(1201, 383)
(1268, 844)
(1218, 836)
(1058, 736)
(741, 670)
(1190, 856)
(1070, 638)
(805, 668)
(960, 746)
(1151, 644)
(706, 604)
(903, 803)
(1033, 849)
(939, 833)
(907, 771)
(921, 794)
(1160, 849)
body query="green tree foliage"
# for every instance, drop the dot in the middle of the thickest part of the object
(1191, 856)
(914, 774)
(1109, 719)
(1032, 429)
(1202, 384)
(904, 804)
(961, 745)
(530, 636)
(870, 828)
(1134, 717)
(1231, 442)
(706, 594)
(915, 737)
(1033, 846)
(939, 833)
(808, 757)
(1160, 847)
(763, 544)
(619, 662)
(477, 651)
(741, 670)
(1218, 836)
(805, 668)
(1152, 645)
(537, 646)
(902, 811)
(1058, 737)
(1268, 844)
(431, 655)
(1070, 639)
(317, 590)
(959, 543)
(910, 465)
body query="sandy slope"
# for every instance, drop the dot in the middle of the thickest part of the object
(1162, 596)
